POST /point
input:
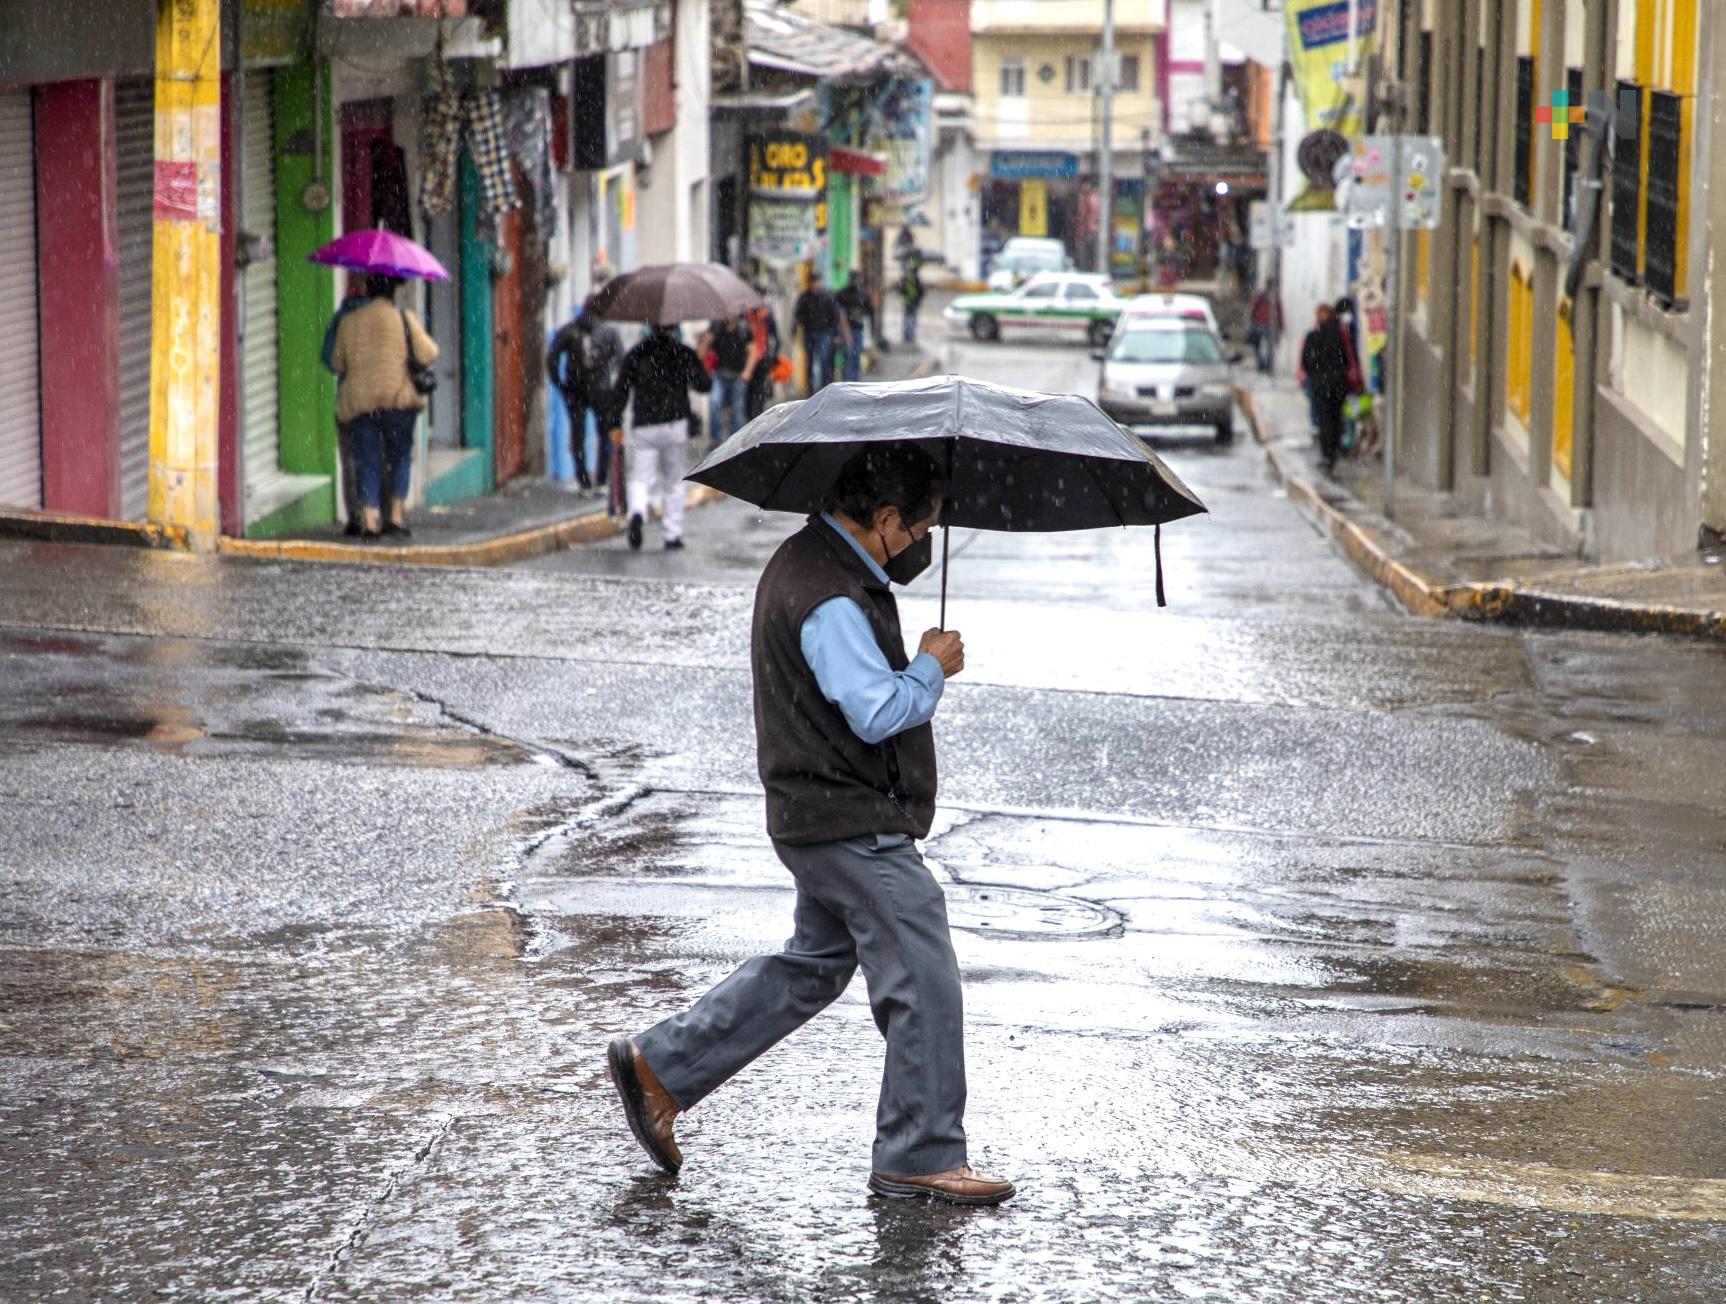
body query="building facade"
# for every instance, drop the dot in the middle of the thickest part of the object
(510, 139)
(1036, 122)
(1587, 416)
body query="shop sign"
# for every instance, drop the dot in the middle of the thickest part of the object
(1017, 164)
(787, 194)
(899, 127)
(623, 104)
(1034, 207)
(274, 32)
(1322, 36)
(1126, 231)
(605, 110)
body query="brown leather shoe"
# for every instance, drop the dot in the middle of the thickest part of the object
(955, 1186)
(648, 1106)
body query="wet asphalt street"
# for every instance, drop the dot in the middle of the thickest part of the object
(1312, 952)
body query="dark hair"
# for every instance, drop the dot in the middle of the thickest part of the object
(382, 286)
(901, 476)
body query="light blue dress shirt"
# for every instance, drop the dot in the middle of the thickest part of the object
(840, 647)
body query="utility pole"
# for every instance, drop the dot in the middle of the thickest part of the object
(186, 312)
(1105, 150)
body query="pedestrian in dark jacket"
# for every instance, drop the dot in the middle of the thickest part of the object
(582, 363)
(728, 342)
(847, 757)
(817, 315)
(657, 375)
(1324, 371)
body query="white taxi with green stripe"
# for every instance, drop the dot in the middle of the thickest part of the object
(1074, 304)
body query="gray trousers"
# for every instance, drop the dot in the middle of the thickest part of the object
(866, 901)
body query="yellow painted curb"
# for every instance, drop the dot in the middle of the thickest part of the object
(1478, 601)
(65, 527)
(503, 550)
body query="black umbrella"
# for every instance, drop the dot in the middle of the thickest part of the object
(674, 292)
(1014, 459)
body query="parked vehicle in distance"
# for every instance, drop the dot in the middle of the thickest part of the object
(1179, 307)
(1022, 257)
(1066, 303)
(1168, 373)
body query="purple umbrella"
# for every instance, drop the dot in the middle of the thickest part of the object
(380, 252)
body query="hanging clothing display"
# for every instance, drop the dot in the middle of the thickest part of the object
(390, 207)
(440, 148)
(488, 143)
(527, 115)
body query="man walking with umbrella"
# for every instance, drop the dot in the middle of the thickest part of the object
(847, 756)
(659, 373)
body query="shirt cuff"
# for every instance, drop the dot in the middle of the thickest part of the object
(928, 670)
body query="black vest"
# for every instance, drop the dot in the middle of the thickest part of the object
(823, 782)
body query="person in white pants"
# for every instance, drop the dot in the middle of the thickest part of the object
(657, 374)
(657, 460)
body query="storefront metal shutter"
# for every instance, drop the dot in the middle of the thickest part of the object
(20, 367)
(258, 284)
(135, 132)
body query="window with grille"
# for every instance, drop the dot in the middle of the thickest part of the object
(1665, 143)
(1012, 77)
(1522, 183)
(1129, 73)
(1626, 185)
(1078, 73)
(1572, 151)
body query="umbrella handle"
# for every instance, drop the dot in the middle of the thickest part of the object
(946, 529)
(946, 540)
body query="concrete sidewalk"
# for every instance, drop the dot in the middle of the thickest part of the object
(1438, 560)
(528, 517)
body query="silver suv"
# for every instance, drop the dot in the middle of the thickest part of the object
(1167, 373)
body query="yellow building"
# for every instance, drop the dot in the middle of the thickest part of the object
(1036, 70)
(1584, 418)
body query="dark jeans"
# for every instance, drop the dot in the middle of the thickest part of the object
(1264, 341)
(1327, 401)
(911, 307)
(851, 359)
(728, 409)
(820, 346)
(578, 408)
(350, 477)
(383, 439)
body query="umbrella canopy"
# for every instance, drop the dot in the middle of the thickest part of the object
(675, 292)
(381, 253)
(1013, 459)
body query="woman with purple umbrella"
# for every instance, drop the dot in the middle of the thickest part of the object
(383, 356)
(378, 349)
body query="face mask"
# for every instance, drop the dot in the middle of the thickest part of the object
(910, 561)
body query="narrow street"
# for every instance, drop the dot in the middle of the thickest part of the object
(1311, 951)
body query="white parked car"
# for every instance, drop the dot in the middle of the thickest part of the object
(1177, 307)
(1022, 257)
(1076, 304)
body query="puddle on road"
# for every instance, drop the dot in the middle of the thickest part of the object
(203, 699)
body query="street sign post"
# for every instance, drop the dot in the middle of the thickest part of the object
(1269, 228)
(1392, 183)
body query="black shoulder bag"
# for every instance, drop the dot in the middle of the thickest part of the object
(422, 377)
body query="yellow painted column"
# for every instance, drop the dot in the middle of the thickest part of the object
(186, 304)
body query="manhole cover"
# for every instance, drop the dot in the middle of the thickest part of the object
(1020, 912)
